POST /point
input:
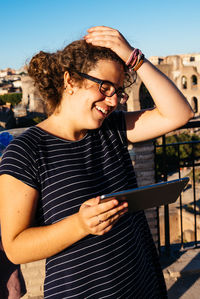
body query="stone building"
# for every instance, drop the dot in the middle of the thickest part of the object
(31, 98)
(184, 71)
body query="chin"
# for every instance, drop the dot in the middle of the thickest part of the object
(96, 124)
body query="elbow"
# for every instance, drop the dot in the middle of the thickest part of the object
(184, 118)
(190, 115)
(13, 255)
(12, 258)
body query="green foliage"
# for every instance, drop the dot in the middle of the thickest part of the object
(30, 120)
(173, 159)
(13, 98)
(38, 119)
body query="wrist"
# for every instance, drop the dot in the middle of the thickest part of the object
(80, 226)
(135, 60)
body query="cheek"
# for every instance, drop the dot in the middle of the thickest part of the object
(91, 90)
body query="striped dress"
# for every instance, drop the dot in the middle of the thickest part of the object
(123, 263)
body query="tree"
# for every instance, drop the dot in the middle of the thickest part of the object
(180, 153)
(13, 98)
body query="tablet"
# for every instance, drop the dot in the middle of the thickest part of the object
(150, 196)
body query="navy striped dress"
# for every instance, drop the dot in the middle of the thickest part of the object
(123, 263)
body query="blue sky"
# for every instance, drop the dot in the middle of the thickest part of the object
(156, 27)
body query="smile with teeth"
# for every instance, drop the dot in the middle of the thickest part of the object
(102, 110)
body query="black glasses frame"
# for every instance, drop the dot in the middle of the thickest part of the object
(101, 82)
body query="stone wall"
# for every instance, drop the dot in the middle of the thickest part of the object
(34, 274)
(143, 161)
(182, 70)
(31, 97)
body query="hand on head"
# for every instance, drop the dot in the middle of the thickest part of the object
(110, 38)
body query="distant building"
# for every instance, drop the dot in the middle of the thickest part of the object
(6, 72)
(31, 98)
(183, 70)
(17, 83)
(9, 81)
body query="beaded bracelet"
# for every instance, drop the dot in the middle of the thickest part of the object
(135, 60)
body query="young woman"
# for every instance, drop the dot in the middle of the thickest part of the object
(53, 174)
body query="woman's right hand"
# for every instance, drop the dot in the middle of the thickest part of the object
(97, 217)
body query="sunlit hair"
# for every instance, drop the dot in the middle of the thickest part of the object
(47, 69)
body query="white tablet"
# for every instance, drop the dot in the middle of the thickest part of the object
(151, 195)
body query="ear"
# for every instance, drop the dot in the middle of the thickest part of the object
(68, 82)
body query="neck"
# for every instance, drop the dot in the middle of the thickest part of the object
(62, 127)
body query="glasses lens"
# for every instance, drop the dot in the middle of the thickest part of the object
(107, 89)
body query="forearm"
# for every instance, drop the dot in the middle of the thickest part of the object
(169, 101)
(37, 243)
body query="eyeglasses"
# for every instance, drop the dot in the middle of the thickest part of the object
(107, 88)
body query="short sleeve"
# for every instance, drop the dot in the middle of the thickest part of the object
(19, 161)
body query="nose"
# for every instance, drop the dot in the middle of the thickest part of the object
(112, 101)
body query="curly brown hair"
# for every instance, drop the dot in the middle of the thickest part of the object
(47, 69)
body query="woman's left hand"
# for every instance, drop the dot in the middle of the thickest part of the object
(110, 38)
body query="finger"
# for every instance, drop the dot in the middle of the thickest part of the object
(109, 214)
(103, 207)
(105, 226)
(104, 32)
(103, 37)
(102, 28)
(89, 211)
(109, 217)
(108, 33)
(92, 202)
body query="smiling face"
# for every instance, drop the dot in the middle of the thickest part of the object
(87, 107)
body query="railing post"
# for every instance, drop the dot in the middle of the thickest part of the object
(181, 206)
(194, 193)
(191, 160)
(166, 207)
(157, 209)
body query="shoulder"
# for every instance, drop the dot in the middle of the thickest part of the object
(116, 120)
(24, 147)
(32, 136)
(20, 158)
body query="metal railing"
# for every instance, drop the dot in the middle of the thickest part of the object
(165, 172)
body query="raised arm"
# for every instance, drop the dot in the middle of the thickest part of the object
(171, 108)
(23, 242)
